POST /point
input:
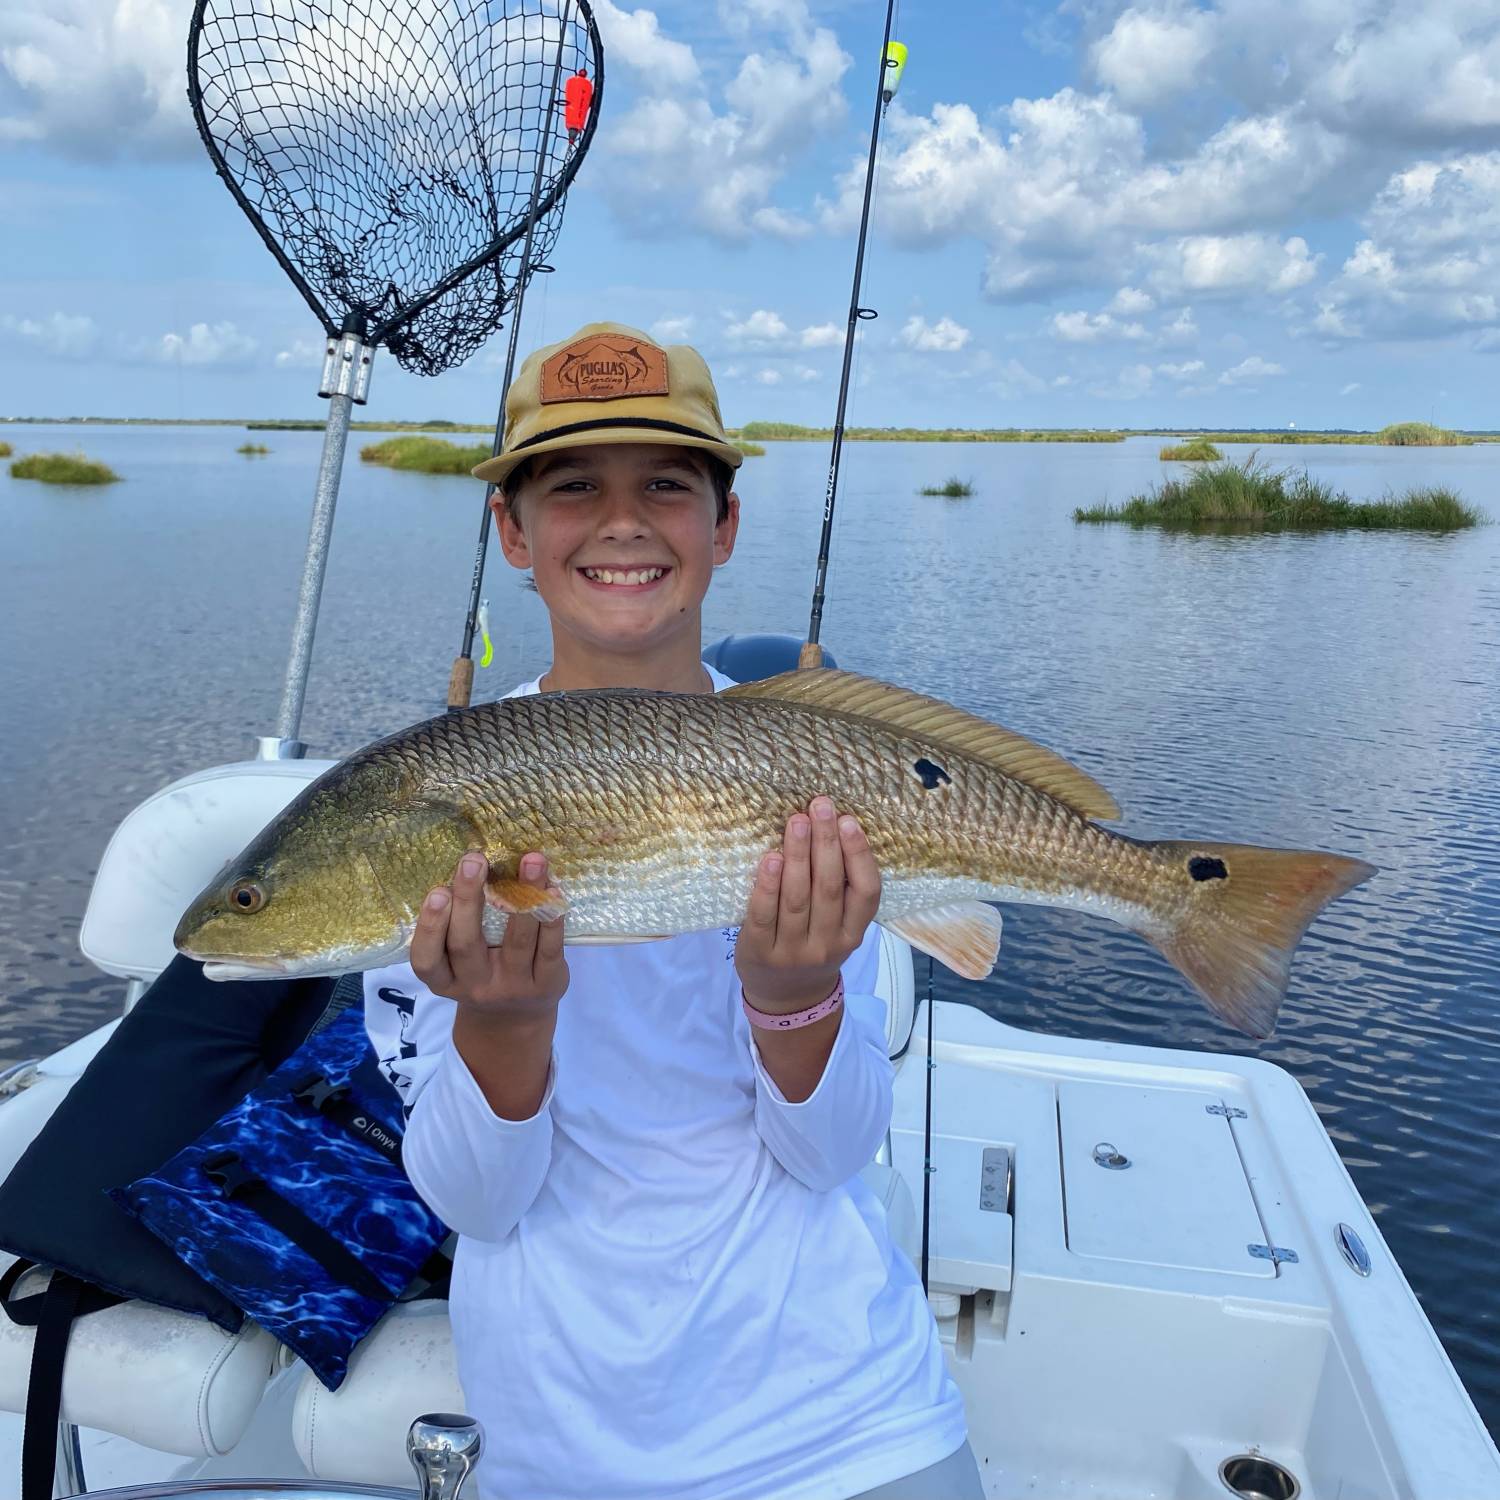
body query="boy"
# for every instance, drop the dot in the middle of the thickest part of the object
(670, 1283)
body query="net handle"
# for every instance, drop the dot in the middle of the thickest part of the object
(381, 332)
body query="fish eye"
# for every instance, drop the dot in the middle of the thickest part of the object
(246, 896)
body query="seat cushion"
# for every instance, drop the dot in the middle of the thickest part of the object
(164, 1379)
(403, 1370)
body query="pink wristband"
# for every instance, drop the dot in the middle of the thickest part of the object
(768, 1022)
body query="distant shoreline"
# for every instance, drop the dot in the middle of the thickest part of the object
(784, 432)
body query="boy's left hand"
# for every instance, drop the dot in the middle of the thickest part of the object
(808, 912)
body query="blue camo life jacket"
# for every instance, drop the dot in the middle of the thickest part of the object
(295, 1206)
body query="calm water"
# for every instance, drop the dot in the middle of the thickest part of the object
(1337, 691)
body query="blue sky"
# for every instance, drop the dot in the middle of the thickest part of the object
(1247, 213)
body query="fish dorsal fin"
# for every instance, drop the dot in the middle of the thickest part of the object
(928, 718)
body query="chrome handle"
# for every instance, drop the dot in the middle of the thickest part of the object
(443, 1448)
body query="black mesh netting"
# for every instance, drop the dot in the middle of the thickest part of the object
(387, 149)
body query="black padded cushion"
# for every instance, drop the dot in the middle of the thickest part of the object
(188, 1051)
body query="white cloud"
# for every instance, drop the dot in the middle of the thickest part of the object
(1065, 192)
(768, 377)
(300, 354)
(634, 37)
(806, 373)
(1217, 265)
(221, 344)
(672, 330)
(1184, 371)
(1252, 368)
(943, 337)
(1350, 389)
(1092, 328)
(1133, 382)
(769, 332)
(96, 78)
(1430, 263)
(1148, 56)
(61, 335)
(1183, 329)
(763, 327)
(780, 224)
(1012, 379)
(1367, 69)
(1131, 302)
(674, 161)
(822, 336)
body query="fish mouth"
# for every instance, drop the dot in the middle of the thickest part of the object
(243, 968)
(632, 579)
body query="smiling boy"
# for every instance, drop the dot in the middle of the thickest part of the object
(670, 1283)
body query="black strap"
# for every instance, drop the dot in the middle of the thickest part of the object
(52, 1312)
(26, 1312)
(655, 424)
(243, 1186)
(60, 1305)
(335, 1102)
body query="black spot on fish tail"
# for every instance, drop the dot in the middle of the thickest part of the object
(932, 774)
(1206, 867)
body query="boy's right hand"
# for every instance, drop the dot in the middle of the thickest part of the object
(521, 978)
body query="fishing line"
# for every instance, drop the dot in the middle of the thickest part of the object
(461, 675)
(886, 85)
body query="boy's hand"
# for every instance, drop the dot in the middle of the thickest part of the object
(522, 978)
(808, 912)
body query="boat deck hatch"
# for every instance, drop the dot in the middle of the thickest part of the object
(1153, 1176)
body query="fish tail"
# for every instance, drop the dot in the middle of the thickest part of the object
(1247, 911)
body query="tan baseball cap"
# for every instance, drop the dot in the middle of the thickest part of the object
(609, 384)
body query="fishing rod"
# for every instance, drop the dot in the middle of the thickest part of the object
(892, 65)
(461, 675)
(893, 57)
(399, 211)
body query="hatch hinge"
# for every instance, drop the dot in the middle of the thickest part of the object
(1276, 1254)
(1229, 1111)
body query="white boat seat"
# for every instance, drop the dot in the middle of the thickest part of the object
(163, 1379)
(357, 1434)
(166, 850)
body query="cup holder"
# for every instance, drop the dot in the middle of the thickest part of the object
(1252, 1477)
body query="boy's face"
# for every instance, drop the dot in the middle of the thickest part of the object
(588, 521)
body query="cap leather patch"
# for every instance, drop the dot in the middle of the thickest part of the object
(604, 367)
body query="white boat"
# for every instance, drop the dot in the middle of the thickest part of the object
(1152, 1274)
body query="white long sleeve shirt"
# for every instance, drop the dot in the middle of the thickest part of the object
(670, 1283)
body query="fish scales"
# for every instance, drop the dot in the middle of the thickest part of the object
(667, 778)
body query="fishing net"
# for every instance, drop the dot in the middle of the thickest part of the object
(387, 150)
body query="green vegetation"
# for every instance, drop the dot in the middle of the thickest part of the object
(1420, 435)
(301, 425)
(1195, 451)
(6, 450)
(791, 433)
(749, 449)
(1399, 434)
(422, 455)
(62, 468)
(252, 449)
(1254, 497)
(953, 488)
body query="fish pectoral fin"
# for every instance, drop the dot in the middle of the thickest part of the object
(512, 896)
(964, 935)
